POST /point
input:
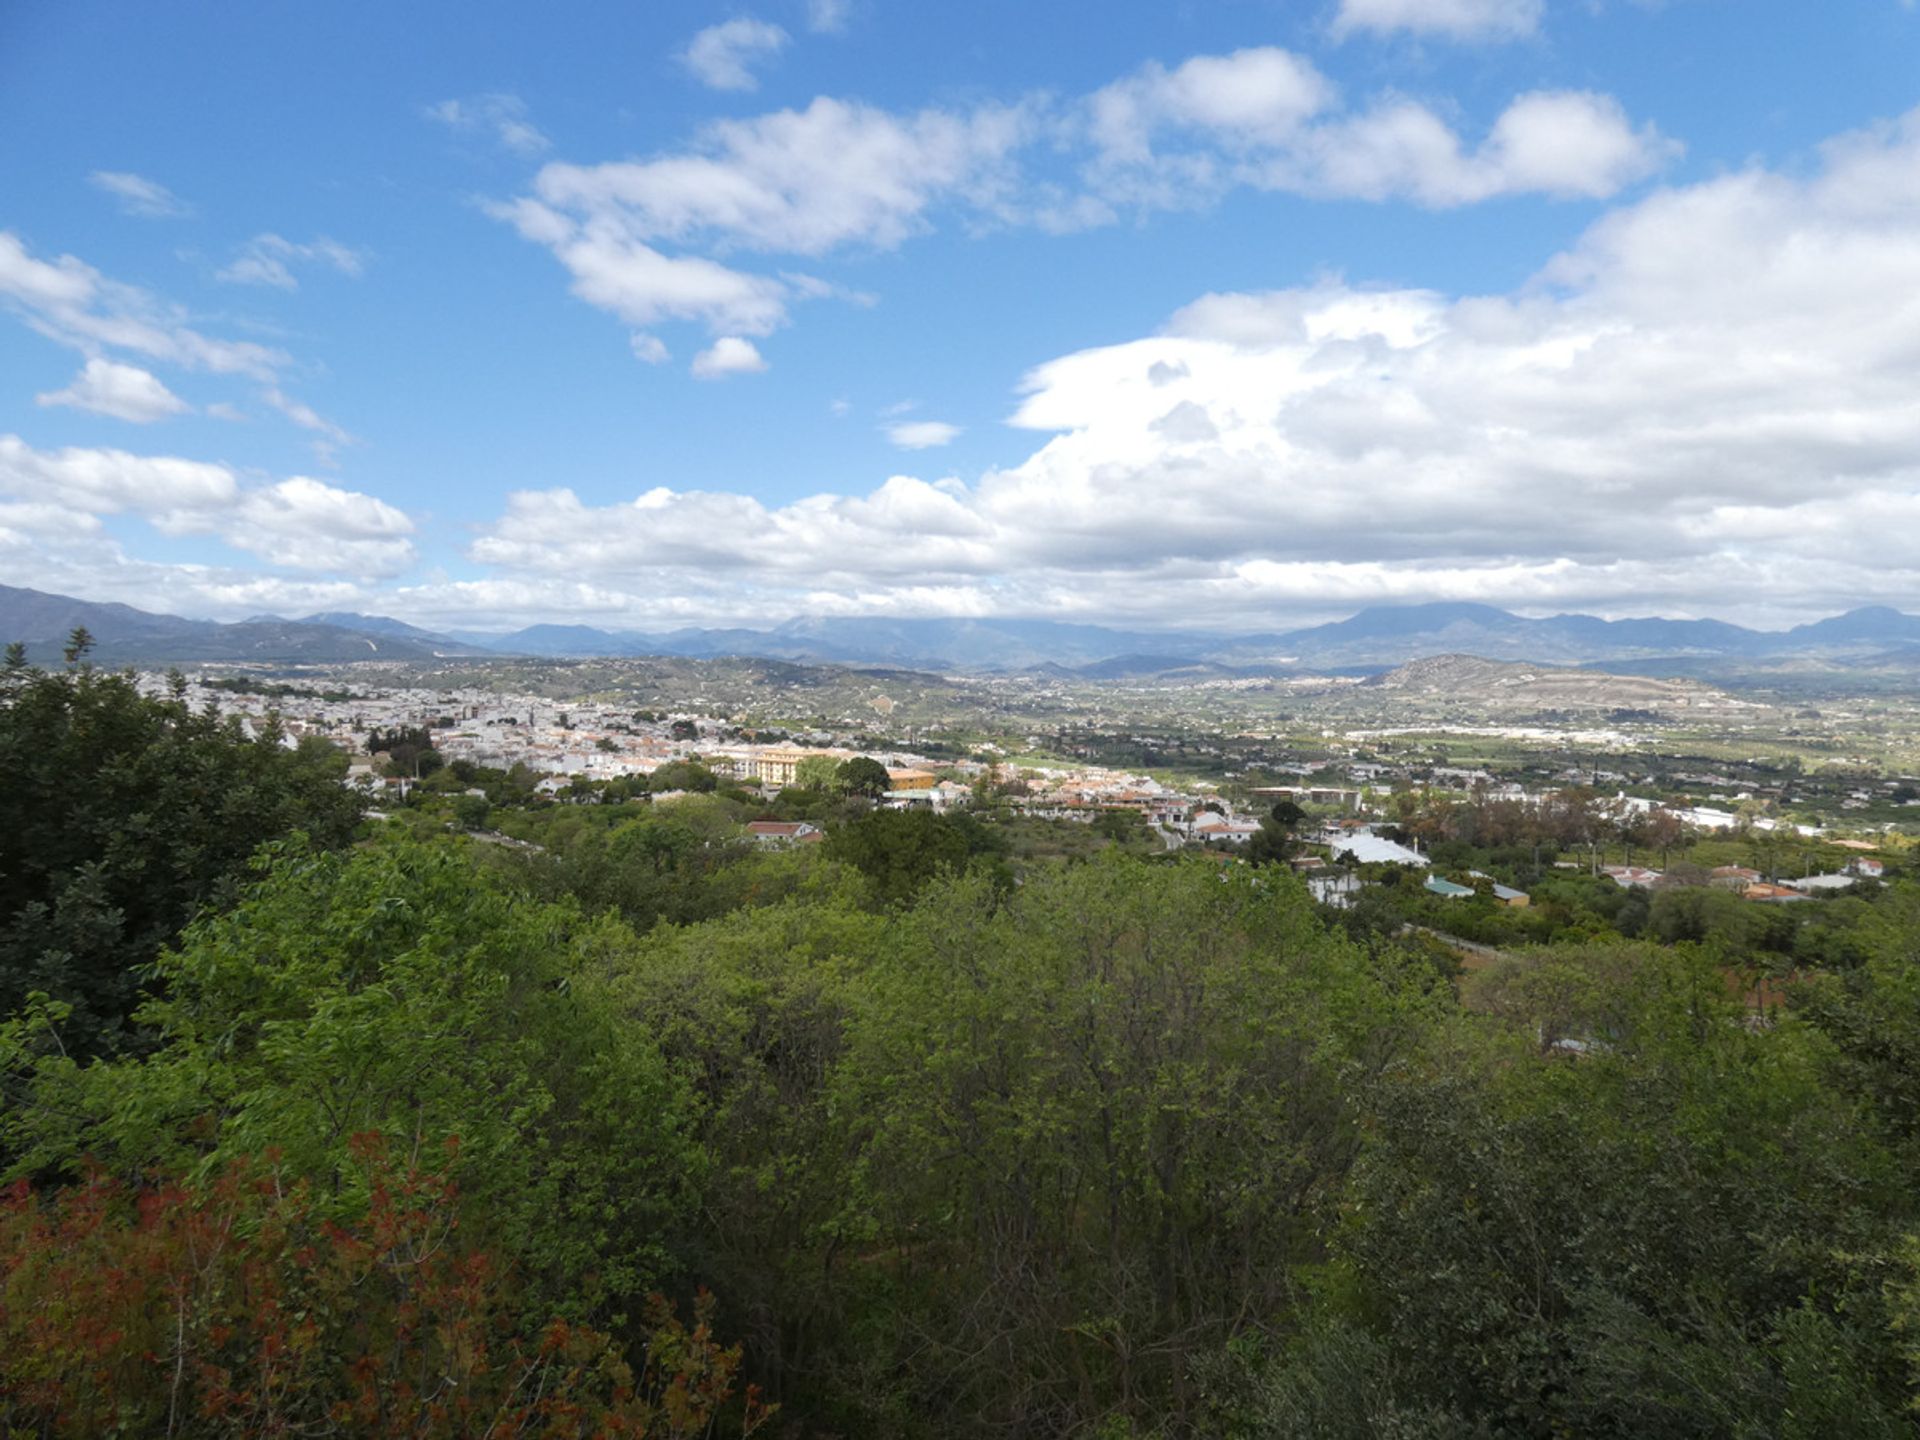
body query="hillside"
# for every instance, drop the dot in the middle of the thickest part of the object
(1513, 687)
(126, 636)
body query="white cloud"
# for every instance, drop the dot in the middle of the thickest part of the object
(70, 302)
(842, 176)
(303, 415)
(65, 560)
(1454, 19)
(1707, 399)
(504, 117)
(298, 523)
(1559, 143)
(649, 349)
(729, 355)
(922, 434)
(125, 392)
(723, 56)
(306, 524)
(107, 482)
(1251, 97)
(730, 537)
(140, 196)
(619, 273)
(268, 259)
(828, 17)
(797, 181)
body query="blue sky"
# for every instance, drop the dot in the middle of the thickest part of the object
(1235, 314)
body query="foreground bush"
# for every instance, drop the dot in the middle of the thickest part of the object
(233, 1308)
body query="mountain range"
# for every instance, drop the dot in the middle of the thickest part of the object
(126, 636)
(1373, 639)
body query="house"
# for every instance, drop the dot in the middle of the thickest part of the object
(1447, 890)
(1217, 828)
(778, 834)
(1366, 848)
(1866, 869)
(1513, 899)
(1808, 884)
(1772, 894)
(1733, 877)
(1335, 890)
(911, 778)
(1630, 876)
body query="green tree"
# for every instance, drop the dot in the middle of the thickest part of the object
(1619, 1211)
(1120, 825)
(1871, 1014)
(1016, 1163)
(902, 851)
(1274, 842)
(396, 990)
(863, 775)
(120, 816)
(409, 750)
(470, 812)
(683, 775)
(817, 772)
(1099, 1117)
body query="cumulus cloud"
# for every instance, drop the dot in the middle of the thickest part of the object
(1565, 144)
(268, 260)
(125, 392)
(94, 482)
(148, 199)
(54, 496)
(922, 434)
(1267, 120)
(306, 524)
(1256, 97)
(729, 355)
(649, 349)
(661, 237)
(618, 272)
(797, 181)
(1706, 399)
(504, 117)
(722, 56)
(1453, 19)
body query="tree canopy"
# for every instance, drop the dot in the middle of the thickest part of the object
(863, 775)
(121, 815)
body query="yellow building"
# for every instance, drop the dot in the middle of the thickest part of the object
(777, 764)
